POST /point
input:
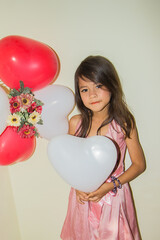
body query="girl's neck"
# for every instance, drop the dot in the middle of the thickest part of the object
(97, 119)
(100, 116)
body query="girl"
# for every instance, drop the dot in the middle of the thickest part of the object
(107, 213)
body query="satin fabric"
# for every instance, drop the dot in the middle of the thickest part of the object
(113, 217)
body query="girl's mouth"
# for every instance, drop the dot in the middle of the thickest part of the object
(95, 102)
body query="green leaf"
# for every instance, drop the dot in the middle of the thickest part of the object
(30, 124)
(21, 86)
(23, 121)
(27, 90)
(26, 115)
(18, 113)
(40, 122)
(14, 92)
(9, 96)
(38, 102)
(36, 134)
(20, 127)
(22, 117)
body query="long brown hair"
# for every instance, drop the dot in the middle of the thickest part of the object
(100, 70)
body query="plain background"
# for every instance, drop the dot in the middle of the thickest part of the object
(33, 198)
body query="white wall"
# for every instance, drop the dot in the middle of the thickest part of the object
(128, 33)
(9, 228)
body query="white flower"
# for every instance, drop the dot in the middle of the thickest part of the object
(34, 117)
(14, 120)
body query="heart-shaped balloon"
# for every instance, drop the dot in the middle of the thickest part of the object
(58, 102)
(4, 109)
(15, 149)
(84, 163)
(28, 60)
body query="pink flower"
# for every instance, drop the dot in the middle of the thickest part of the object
(38, 109)
(26, 100)
(15, 104)
(34, 107)
(27, 131)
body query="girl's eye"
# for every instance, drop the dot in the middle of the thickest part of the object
(99, 86)
(84, 90)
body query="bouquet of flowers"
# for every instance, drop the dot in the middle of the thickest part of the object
(25, 111)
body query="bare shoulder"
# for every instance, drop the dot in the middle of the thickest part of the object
(133, 136)
(73, 122)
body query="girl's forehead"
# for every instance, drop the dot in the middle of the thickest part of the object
(85, 82)
(84, 79)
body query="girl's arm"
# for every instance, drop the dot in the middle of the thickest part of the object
(138, 166)
(136, 154)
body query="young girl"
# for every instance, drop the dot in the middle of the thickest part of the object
(107, 213)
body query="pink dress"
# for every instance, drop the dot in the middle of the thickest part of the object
(113, 217)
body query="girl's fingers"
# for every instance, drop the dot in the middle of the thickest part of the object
(91, 195)
(82, 194)
(93, 198)
(80, 200)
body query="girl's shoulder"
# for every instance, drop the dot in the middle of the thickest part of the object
(116, 126)
(73, 123)
(75, 119)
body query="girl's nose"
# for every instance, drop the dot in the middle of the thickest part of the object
(92, 93)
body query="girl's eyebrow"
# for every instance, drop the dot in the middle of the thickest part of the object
(82, 87)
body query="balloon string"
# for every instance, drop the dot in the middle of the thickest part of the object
(5, 87)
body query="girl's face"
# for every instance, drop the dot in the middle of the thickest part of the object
(94, 96)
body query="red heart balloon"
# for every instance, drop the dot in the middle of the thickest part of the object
(13, 148)
(28, 60)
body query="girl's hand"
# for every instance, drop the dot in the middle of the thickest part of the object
(100, 192)
(81, 196)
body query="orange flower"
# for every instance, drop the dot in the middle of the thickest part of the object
(26, 100)
(15, 104)
(26, 131)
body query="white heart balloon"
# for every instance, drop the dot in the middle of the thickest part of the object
(4, 109)
(58, 102)
(84, 163)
